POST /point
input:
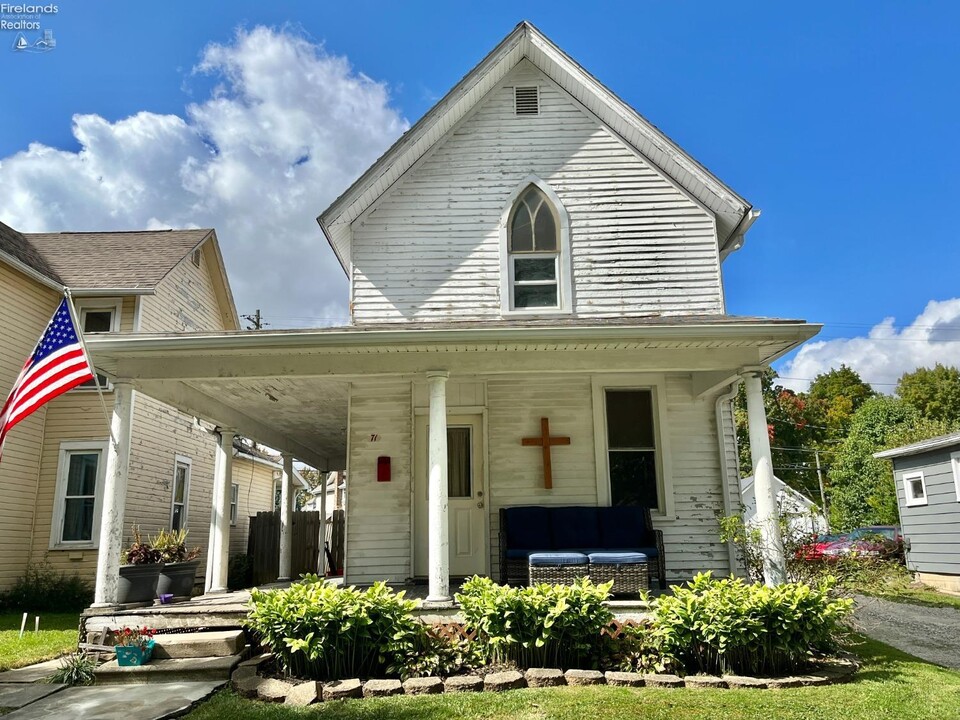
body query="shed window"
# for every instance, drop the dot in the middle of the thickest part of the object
(533, 246)
(914, 489)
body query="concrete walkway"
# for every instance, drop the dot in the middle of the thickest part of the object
(23, 692)
(931, 634)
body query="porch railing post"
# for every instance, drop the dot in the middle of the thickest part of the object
(774, 560)
(286, 519)
(107, 588)
(439, 529)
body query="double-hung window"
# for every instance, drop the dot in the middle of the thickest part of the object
(181, 493)
(98, 316)
(77, 496)
(632, 447)
(234, 502)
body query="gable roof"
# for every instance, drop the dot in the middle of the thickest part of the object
(135, 260)
(734, 214)
(16, 248)
(940, 442)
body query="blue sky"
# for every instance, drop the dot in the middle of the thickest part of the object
(838, 120)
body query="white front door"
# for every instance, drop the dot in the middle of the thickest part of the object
(465, 489)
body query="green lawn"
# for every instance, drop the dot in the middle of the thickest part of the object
(891, 685)
(57, 636)
(915, 596)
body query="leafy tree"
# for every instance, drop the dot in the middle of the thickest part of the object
(935, 393)
(837, 394)
(862, 489)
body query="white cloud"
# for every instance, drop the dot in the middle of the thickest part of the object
(286, 129)
(886, 352)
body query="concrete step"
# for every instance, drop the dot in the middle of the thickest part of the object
(216, 643)
(161, 670)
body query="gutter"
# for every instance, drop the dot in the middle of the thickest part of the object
(94, 292)
(724, 475)
(798, 331)
(736, 239)
(31, 272)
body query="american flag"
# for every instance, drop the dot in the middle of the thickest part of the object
(57, 364)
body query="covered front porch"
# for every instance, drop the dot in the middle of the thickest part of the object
(380, 402)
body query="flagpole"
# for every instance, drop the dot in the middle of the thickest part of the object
(83, 346)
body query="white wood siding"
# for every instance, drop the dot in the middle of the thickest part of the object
(378, 523)
(429, 249)
(378, 513)
(185, 300)
(27, 307)
(256, 495)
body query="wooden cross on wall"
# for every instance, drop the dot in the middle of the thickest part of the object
(546, 442)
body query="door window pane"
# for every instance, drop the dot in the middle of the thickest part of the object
(459, 464)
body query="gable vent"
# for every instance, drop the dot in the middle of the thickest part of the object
(526, 100)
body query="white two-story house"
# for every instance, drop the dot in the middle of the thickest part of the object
(531, 259)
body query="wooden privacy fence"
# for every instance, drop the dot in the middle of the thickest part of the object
(335, 538)
(263, 545)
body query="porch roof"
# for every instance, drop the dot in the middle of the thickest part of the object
(289, 388)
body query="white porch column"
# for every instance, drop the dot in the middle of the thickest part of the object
(286, 519)
(323, 522)
(774, 561)
(106, 591)
(219, 546)
(439, 528)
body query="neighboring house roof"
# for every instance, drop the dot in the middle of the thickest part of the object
(734, 215)
(134, 260)
(16, 248)
(937, 443)
(275, 461)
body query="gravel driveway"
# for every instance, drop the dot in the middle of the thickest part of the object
(930, 633)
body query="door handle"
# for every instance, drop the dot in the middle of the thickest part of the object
(480, 504)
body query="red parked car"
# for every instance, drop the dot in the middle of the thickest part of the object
(870, 541)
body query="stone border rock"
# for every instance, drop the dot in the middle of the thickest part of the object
(246, 682)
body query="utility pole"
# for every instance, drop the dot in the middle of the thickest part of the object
(823, 495)
(255, 320)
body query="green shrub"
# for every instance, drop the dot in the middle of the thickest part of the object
(434, 655)
(723, 626)
(539, 626)
(44, 589)
(326, 633)
(638, 648)
(76, 669)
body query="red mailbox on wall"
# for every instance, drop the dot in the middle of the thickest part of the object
(383, 469)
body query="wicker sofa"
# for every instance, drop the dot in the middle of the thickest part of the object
(532, 528)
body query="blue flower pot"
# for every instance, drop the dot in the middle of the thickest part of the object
(132, 655)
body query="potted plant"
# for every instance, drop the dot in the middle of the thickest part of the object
(180, 565)
(134, 646)
(138, 578)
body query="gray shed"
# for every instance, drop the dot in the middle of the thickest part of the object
(927, 476)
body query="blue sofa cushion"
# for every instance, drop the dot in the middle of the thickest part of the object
(528, 528)
(557, 558)
(515, 554)
(617, 558)
(622, 527)
(575, 527)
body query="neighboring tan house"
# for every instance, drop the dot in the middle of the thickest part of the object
(927, 479)
(531, 252)
(52, 470)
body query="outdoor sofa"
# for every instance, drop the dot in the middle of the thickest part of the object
(529, 529)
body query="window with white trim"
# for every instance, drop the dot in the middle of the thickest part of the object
(181, 493)
(632, 460)
(914, 489)
(98, 315)
(533, 241)
(77, 497)
(955, 466)
(234, 502)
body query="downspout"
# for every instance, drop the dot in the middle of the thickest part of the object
(724, 474)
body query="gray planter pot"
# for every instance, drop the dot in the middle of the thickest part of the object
(177, 578)
(138, 583)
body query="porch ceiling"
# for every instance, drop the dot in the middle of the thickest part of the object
(289, 389)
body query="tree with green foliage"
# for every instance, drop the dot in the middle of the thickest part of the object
(836, 395)
(862, 489)
(935, 393)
